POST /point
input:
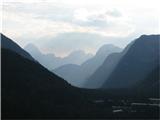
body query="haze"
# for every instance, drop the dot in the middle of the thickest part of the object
(63, 26)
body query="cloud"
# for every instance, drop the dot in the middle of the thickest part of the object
(65, 43)
(95, 18)
(38, 21)
(106, 22)
(45, 19)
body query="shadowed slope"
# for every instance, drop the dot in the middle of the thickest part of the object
(141, 58)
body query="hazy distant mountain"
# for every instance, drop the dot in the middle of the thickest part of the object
(92, 64)
(71, 73)
(9, 44)
(97, 79)
(140, 59)
(51, 62)
(77, 57)
(79, 75)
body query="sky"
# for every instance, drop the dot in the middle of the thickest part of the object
(63, 26)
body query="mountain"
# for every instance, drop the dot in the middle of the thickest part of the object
(78, 76)
(51, 62)
(150, 85)
(71, 73)
(9, 44)
(92, 64)
(77, 57)
(26, 85)
(134, 66)
(97, 79)
(28, 90)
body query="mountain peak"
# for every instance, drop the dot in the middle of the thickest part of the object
(107, 48)
(32, 48)
(7, 43)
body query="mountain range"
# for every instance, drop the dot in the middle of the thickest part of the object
(97, 79)
(78, 74)
(30, 91)
(140, 60)
(132, 65)
(50, 61)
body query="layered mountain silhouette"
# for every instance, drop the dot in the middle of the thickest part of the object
(97, 79)
(77, 75)
(138, 62)
(92, 64)
(29, 90)
(51, 62)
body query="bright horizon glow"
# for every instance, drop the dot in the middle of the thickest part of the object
(45, 22)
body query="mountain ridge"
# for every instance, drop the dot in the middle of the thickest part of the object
(79, 76)
(51, 61)
(7, 43)
(132, 63)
